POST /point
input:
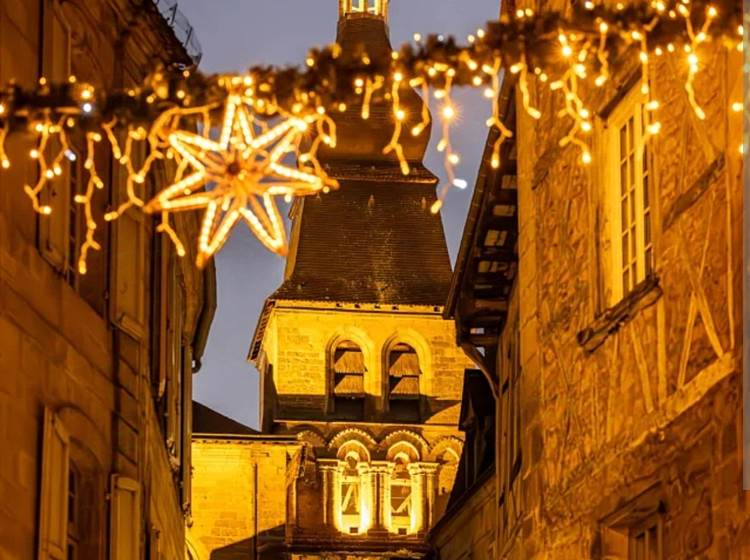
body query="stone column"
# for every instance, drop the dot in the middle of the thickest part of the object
(331, 494)
(422, 495)
(380, 472)
(366, 497)
(430, 470)
(418, 505)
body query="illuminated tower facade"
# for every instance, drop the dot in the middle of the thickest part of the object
(355, 357)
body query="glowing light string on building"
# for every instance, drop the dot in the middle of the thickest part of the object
(267, 114)
(238, 176)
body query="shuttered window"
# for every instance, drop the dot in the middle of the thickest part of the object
(53, 495)
(347, 396)
(403, 373)
(348, 370)
(128, 292)
(125, 519)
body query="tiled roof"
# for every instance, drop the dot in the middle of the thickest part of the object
(208, 421)
(369, 242)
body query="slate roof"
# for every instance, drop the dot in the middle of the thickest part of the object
(477, 399)
(208, 421)
(477, 402)
(369, 242)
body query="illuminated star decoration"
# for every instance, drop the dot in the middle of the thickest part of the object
(237, 177)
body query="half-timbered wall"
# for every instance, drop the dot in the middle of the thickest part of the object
(631, 403)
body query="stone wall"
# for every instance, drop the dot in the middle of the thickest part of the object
(645, 408)
(298, 341)
(240, 495)
(470, 530)
(61, 346)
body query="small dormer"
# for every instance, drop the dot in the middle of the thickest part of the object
(363, 8)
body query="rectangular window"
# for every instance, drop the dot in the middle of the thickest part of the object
(630, 178)
(635, 532)
(645, 541)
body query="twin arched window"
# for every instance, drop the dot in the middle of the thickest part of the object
(402, 382)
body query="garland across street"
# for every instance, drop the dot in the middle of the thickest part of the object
(231, 144)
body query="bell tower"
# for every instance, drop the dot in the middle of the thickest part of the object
(354, 355)
(357, 8)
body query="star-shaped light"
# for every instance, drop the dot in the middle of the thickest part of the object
(242, 173)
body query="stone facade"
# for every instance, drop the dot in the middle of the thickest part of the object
(319, 484)
(94, 417)
(631, 406)
(239, 495)
(300, 337)
(617, 391)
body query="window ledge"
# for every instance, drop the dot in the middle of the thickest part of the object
(608, 322)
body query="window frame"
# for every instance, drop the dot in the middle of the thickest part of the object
(620, 529)
(131, 321)
(642, 265)
(401, 524)
(654, 521)
(353, 485)
(53, 239)
(332, 374)
(392, 402)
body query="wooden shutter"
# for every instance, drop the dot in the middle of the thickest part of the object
(349, 370)
(129, 279)
(175, 302)
(125, 521)
(54, 228)
(403, 372)
(53, 496)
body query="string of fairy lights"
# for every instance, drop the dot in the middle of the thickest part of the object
(232, 144)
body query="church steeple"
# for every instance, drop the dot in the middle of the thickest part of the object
(374, 240)
(362, 34)
(355, 357)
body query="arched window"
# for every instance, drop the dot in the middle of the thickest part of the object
(351, 491)
(403, 383)
(401, 496)
(348, 381)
